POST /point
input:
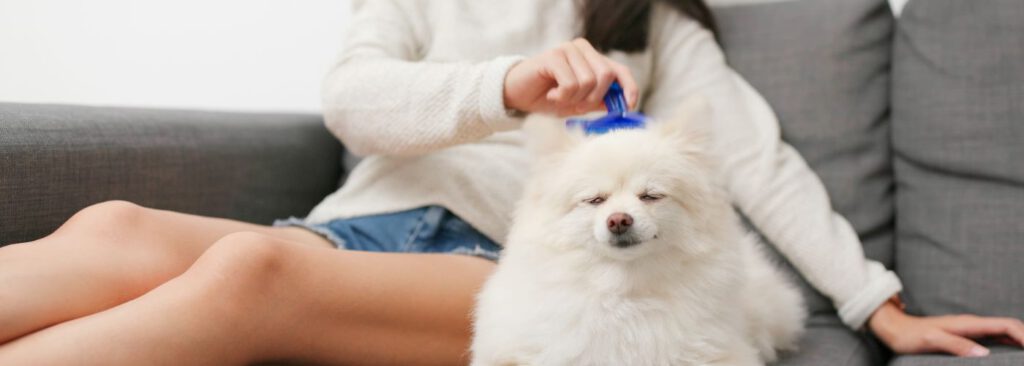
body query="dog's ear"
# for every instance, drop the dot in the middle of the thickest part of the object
(690, 124)
(547, 135)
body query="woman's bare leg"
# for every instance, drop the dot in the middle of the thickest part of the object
(105, 255)
(252, 298)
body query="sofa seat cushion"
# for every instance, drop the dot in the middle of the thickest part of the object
(1001, 356)
(827, 341)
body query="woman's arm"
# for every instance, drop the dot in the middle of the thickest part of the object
(767, 179)
(381, 99)
(775, 188)
(905, 333)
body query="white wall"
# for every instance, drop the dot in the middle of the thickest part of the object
(212, 54)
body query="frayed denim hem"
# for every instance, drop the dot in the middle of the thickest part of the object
(320, 230)
(477, 251)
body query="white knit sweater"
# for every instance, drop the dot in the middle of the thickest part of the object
(418, 90)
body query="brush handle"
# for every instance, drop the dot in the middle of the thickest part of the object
(618, 117)
(615, 100)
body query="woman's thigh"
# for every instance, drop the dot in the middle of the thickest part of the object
(254, 297)
(105, 255)
(126, 221)
(355, 307)
(121, 235)
(127, 249)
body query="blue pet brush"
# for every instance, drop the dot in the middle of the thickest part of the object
(618, 118)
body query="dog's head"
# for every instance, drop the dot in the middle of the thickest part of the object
(625, 194)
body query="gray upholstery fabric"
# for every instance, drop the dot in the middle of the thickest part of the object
(1001, 356)
(55, 160)
(823, 66)
(828, 341)
(958, 135)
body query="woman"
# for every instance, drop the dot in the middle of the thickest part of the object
(433, 92)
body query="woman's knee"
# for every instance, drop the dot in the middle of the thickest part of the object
(126, 233)
(247, 277)
(243, 264)
(110, 220)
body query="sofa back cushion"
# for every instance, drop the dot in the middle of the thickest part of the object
(56, 160)
(958, 135)
(823, 66)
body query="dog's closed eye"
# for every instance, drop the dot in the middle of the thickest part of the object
(595, 200)
(650, 197)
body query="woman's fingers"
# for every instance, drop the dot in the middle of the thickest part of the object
(975, 326)
(1016, 331)
(558, 68)
(567, 80)
(954, 344)
(602, 71)
(629, 87)
(607, 72)
(1005, 340)
(584, 74)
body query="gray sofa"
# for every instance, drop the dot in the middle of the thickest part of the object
(55, 160)
(915, 126)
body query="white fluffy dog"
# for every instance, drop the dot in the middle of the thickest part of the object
(625, 251)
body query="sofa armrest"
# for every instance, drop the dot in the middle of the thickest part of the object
(57, 159)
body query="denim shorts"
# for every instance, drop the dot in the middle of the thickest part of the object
(430, 229)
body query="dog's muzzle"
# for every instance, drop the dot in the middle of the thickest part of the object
(625, 241)
(620, 224)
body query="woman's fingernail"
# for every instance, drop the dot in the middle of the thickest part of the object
(978, 352)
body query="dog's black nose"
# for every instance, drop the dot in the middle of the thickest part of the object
(619, 222)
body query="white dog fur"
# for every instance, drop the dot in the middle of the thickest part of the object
(688, 286)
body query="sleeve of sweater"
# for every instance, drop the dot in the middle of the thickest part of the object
(767, 179)
(380, 98)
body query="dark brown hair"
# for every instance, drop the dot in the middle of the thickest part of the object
(623, 25)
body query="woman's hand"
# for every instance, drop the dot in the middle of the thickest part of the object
(568, 80)
(952, 334)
